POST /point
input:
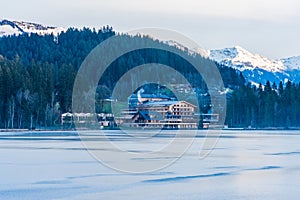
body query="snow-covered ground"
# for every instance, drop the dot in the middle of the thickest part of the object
(8, 28)
(243, 165)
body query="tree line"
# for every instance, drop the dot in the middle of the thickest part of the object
(37, 75)
(266, 106)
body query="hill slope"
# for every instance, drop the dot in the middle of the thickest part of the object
(8, 28)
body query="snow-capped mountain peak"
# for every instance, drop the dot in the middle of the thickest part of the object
(257, 68)
(241, 59)
(254, 67)
(8, 27)
(292, 63)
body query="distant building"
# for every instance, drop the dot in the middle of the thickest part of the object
(183, 88)
(87, 120)
(139, 98)
(146, 111)
(159, 111)
(209, 119)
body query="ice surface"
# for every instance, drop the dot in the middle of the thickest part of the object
(243, 165)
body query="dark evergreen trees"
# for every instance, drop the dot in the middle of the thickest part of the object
(37, 75)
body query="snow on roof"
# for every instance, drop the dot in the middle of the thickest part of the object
(67, 114)
(160, 103)
(165, 103)
(161, 96)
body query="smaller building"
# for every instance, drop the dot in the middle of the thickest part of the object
(87, 120)
(136, 99)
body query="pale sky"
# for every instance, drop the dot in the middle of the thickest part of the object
(268, 27)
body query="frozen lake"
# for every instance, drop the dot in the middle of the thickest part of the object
(243, 165)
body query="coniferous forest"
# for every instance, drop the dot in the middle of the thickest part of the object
(37, 75)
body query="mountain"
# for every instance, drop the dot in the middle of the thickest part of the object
(257, 68)
(8, 28)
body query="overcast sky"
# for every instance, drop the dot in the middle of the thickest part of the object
(268, 27)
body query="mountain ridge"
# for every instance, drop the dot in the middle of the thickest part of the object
(257, 68)
(254, 67)
(12, 27)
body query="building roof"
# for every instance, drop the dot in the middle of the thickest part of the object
(160, 103)
(165, 103)
(158, 96)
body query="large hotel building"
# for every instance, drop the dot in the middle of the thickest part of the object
(158, 111)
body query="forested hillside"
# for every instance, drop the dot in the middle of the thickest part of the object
(37, 75)
(270, 105)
